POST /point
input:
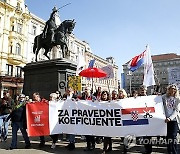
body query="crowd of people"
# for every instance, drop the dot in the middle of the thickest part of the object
(16, 112)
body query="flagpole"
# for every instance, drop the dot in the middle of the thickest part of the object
(108, 86)
(129, 74)
(92, 87)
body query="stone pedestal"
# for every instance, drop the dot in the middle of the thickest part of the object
(48, 76)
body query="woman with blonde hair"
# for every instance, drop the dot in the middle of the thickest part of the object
(171, 102)
(122, 94)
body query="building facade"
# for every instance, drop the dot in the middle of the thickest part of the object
(14, 21)
(18, 28)
(109, 84)
(162, 63)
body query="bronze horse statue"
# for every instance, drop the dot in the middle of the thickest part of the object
(64, 29)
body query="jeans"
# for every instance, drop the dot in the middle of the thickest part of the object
(4, 133)
(15, 127)
(172, 128)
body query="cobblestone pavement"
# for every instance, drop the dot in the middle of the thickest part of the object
(80, 145)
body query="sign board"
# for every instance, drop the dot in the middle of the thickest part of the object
(74, 82)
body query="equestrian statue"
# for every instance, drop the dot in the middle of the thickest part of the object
(54, 35)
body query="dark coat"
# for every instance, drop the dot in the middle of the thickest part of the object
(18, 115)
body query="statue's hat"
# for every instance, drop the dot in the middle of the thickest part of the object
(55, 9)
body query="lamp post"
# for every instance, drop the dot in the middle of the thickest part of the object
(129, 74)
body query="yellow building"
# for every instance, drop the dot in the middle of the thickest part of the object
(14, 20)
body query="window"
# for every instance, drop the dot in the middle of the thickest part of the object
(19, 28)
(12, 28)
(34, 30)
(9, 70)
(11, 48)
(77, 49)
(18, 71)
(18, 49)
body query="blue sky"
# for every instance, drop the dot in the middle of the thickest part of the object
(119, 28)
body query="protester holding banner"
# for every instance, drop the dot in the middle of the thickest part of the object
(148, 145)
(97, 94)
(6, 105)
(134, 93)
(18, 117)
(122, 94)
(59, 97)
(114, 95)
(107, 144)
(53, 98)
(171, 101)
(90, 139)
(37, 98)
(70, 95)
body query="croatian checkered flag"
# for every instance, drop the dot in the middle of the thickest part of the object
(134, 115)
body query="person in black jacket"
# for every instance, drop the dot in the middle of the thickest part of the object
(18, 117)
(6, 105)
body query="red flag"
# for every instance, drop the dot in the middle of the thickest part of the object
(38, 118)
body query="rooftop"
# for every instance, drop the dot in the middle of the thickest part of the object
(168, 56)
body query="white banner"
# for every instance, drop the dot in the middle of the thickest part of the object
(141, 116)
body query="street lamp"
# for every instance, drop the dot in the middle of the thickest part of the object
(129, 74)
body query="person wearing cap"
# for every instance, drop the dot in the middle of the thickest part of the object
(18, 117)
(171, 102)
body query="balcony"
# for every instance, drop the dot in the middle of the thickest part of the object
(12, 34)
(15, 59)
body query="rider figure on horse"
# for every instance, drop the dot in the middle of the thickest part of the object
(50, 27)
